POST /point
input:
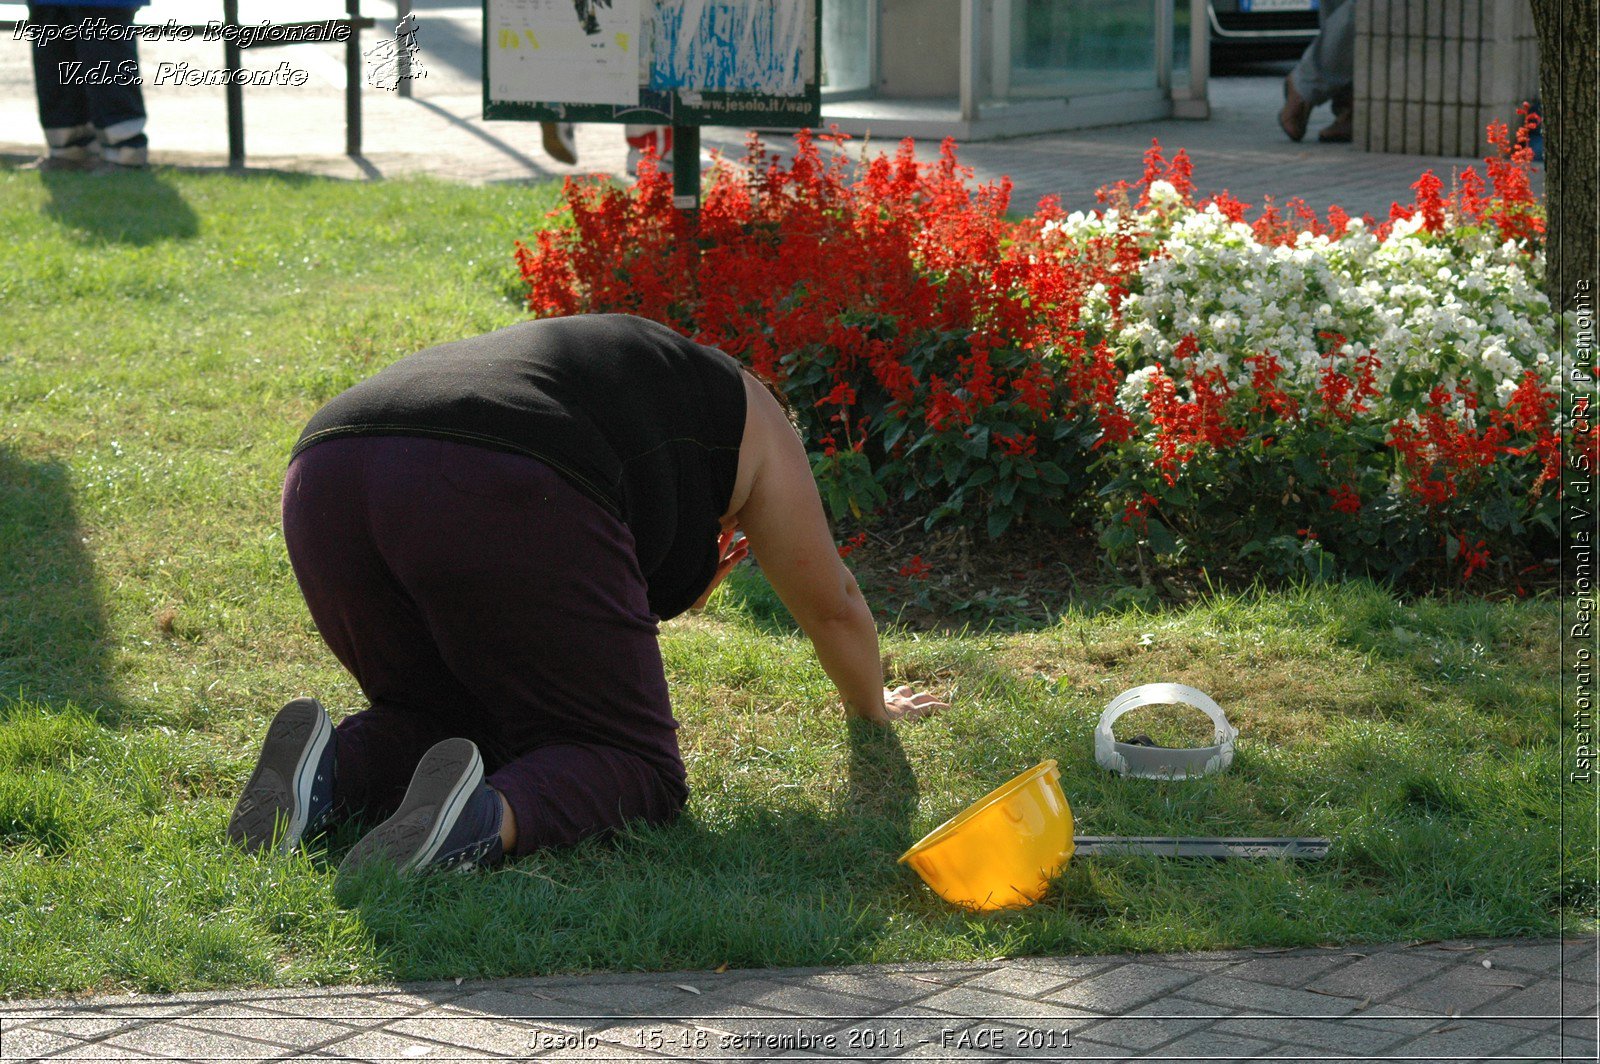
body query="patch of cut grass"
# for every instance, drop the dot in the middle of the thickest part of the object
(166, 337)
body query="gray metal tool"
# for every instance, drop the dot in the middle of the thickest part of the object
(1308, 849)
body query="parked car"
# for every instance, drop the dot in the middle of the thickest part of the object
(1261, 29)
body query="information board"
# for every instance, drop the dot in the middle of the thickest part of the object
(664, 62)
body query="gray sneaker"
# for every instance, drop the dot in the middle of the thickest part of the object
(449, 817)
(290, 793)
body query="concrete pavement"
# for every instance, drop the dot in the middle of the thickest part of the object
(1504, 1000)
(440, 132)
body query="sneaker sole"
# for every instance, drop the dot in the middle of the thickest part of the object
(279, 790)
(445, 779)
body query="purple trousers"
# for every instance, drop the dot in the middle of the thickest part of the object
(476, 593)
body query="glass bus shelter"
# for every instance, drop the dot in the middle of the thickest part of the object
(977, 69)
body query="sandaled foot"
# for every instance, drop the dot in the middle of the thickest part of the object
(449, 818)
(1342, 131)
(1296, 112)
(291, 790)
(560, 143)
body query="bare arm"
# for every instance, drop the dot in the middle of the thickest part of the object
(784, 522)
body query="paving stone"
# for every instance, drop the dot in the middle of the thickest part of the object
(1173, 1007)
(804, 1000)
(1392, 1018)
(1545, 1047)
(489, 1034)
(987, 1006)
(1331, 1035)
(1019, 1041)
(934, 1050)
(602, 998)
(1376, 978)
(1124, 987)
(1069, 968)
(1213, 1043)
(172, 1040)
(265, 1026)
(24, 1043)
(1236, 995)
(1535, 1007)
(104, 1051)
(1456, 1039)
(534, 1007)
(1581, 1049)
(1139, 1033)
(346, 1008)
(1542, 957)
(1289, 969)
(1583, 1030)
(84, 1025)
(1457, 988)
(1577, 999)
(634, 1042)
(1023, 982)
(380, 1045)
(894, 990)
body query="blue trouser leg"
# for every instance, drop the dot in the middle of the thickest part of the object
(72, 114)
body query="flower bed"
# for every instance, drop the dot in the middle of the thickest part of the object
(1295, 393)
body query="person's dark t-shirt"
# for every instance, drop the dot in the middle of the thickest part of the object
(643, 421)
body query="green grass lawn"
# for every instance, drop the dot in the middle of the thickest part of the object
(162, 341)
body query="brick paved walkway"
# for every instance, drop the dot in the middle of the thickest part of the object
(1502, 1000)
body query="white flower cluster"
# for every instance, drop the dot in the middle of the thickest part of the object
(1458, 307)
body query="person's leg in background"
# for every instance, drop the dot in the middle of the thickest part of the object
(102, 116)
(1325, 72)
(116, 106)
(646, 138)
(70, 141)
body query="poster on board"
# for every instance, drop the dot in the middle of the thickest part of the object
(687, 62)
(755, 46)
(586, 52)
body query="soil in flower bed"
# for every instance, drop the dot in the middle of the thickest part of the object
(953, 579)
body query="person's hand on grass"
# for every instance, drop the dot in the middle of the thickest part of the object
(732, 548)
(901, 703)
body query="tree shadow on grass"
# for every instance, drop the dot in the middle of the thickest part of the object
(768, 886)
(52, 624)
(135, 207)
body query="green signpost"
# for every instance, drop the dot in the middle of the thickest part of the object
(678, 63)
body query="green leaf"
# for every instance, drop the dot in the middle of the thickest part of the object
(999, 521)
(1052, 473)
(1160, 538)
(1497, 514)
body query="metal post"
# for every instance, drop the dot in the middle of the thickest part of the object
(352, 80)
(402, 10)
(969, 62)
(686, 168)
(1164, 42)
(233, 91)
(1199, 59)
